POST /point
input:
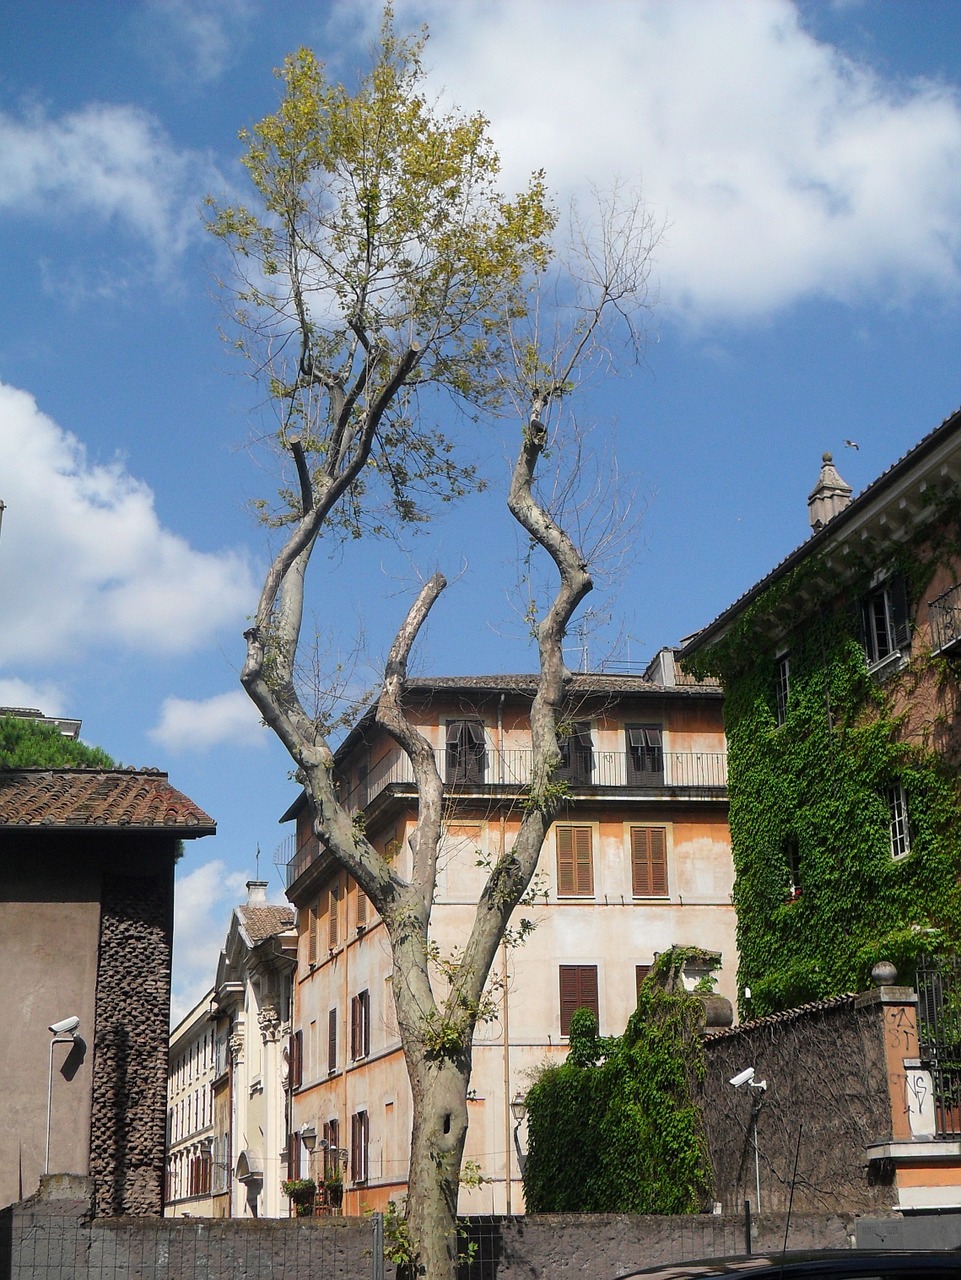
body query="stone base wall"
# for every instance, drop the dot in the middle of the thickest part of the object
(57, 1241)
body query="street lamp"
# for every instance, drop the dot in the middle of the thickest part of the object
(64, 1032)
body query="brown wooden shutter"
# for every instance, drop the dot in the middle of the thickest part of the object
(295, 1056)
(649, 862)
(640, 973)
(333, 919)
(578, 990)
(332, 1040)
(575, 862)
(361, 908)
(312, 935)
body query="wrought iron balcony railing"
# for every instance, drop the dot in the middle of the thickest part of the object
(944, 615)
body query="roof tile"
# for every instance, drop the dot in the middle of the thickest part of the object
(136, 799)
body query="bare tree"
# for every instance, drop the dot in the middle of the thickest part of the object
(380, 274)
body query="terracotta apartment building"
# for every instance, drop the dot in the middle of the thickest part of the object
(639, 860)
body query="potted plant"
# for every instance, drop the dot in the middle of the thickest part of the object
(301, 1192)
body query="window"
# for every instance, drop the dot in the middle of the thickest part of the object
(466, 751)
(885, 624)
(900, 828)
(577, 753)
(199, 1175)
(332, 1149)
(361, 920)
(649, 862)
(360, 1025)
(640, 973)
(296, 1059)
(782, 685)
(578, 991)
(645, 756)
(311, 932)
(575, 862)
(333, 919)
(359, 1139)
(332, 1040)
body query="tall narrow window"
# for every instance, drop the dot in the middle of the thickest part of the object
(649, 862)
(359, 1140)
(311, 931)
(332, 1147)
(578, 990)
(361, 920)
(640, 973)
(332, 1040)
(792, 856)
(296, 1059)
(782, 684)
(466, 751)
(360, 1025)
(575, 862)
(900, 830)
(333, 919)
(645, 754)
(577, 753)
(885, 620)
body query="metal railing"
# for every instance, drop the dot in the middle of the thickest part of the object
(939, 1037)
(944, 615)
(687, 769)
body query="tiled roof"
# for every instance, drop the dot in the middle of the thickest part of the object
(262, 923)
(592, 683)
(786, 1015)
(128, 799)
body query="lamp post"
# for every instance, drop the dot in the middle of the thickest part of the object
(519, 1112)
(64, 1032)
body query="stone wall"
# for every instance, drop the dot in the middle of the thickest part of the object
(128, 1122)
(826, 1101)
(53, 1242)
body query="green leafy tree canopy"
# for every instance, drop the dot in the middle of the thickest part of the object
(31, 744)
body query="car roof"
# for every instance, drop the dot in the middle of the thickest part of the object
(850, 1263)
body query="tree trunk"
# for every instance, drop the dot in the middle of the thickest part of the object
(439, 1087)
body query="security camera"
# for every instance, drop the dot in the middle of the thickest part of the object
(742, 1077)
(65, 1025)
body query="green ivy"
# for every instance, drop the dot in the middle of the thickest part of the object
(616, 1129)
(817, 783)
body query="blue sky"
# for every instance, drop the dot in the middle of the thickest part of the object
(806, 159)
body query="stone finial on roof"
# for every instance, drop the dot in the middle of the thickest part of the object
(829, 496)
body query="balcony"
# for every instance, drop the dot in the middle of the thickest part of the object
(693, 771)
(944, 615)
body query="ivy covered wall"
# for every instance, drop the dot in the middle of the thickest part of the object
(819, 892)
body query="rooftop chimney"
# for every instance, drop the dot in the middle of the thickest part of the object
(829, 496)
(256, 893)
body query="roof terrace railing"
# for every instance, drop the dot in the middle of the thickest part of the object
(603, 769)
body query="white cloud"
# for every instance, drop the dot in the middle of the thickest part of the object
(783, 169)
(106, 162)
(203, 901)
(45, 697)
(187, 725)
(86, 561)
(202, 34)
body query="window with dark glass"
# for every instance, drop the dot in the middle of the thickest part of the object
(466, 751)
(359, 1139)
(332, 1040)
(900, 830)
(645, 754)
(332, 1147)
(885, 621)
(782, 685)
(578, 990)
(577, 753)
(360, 1025)
(792, 856)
